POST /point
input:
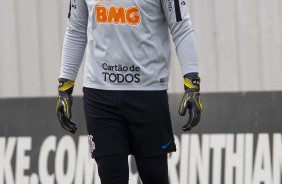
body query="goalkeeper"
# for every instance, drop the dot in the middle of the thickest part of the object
(125, 82)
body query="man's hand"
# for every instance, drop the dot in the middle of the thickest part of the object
(191, 100)
(64, 103)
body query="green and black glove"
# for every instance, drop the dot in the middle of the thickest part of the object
(64, 104)
(191, 100)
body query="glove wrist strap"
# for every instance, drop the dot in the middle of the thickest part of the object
(65, 86)
(192, 82)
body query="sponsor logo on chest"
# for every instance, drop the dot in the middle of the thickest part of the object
(120, 15)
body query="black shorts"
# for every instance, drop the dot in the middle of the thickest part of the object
(128, 122)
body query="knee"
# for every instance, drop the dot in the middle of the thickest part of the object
(113, 169)
(155, 176)
(153, 170)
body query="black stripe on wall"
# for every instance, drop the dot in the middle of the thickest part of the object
(177, 11)
(69, 15)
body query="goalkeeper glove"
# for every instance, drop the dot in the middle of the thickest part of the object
(191, 100)
(64, 103)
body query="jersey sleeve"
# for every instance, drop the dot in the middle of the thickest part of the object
(180, 25)
(75, 39)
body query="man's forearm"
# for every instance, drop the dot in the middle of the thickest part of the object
(72, 55)
(184, 40)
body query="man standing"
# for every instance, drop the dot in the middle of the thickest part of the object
(126, 80)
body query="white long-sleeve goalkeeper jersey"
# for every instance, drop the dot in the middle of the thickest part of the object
(127, 43)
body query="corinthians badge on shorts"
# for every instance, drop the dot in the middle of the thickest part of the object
(91, 143)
